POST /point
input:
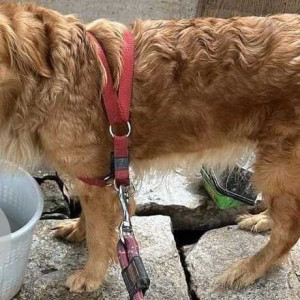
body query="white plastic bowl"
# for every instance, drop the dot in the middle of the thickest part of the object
(21, 201)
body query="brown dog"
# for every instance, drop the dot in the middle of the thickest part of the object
(205, 89)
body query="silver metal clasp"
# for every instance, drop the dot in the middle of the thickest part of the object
(124, 202)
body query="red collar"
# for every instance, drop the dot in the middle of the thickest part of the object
(117, 106)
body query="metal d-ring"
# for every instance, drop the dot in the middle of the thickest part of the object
(128, 132)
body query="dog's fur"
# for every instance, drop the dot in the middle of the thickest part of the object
(204, 89)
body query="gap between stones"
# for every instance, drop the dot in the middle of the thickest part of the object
(186, 238)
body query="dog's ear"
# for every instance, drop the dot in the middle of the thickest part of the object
(27, 45)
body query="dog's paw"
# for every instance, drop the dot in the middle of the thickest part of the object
(69, 231)
(83, 281)
(238, 276)
(255, 223)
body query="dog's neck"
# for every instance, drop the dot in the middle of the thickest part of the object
(110, 36)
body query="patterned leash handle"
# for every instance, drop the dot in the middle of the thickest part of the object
(130, 280)
(133, 270)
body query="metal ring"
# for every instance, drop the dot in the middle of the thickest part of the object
(115, 186)
(107, 178)
(128, 133)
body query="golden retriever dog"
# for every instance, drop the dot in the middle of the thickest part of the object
(204, 90)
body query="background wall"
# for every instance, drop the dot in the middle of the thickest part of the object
(229, 8)
(127, 10)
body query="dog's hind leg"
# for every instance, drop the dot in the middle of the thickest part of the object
(256, 223)
(277, 176)
(72, 231)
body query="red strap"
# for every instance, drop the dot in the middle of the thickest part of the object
(121, 158)
(125, 88)
(125, 253)
(117, 108)
(94, 181)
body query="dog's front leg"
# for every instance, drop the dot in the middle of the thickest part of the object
(102, 216)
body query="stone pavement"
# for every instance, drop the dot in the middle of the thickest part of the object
(182, 263)
(51, 261)
(218, 249)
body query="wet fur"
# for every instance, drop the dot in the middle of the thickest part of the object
(202, 88)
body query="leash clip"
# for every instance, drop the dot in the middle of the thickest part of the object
(125, 226)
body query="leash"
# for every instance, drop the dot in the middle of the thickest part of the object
(133, 271)
(117, 106)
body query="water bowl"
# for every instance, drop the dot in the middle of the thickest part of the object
(21, 206)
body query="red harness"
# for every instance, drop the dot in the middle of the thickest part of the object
(117, 107)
